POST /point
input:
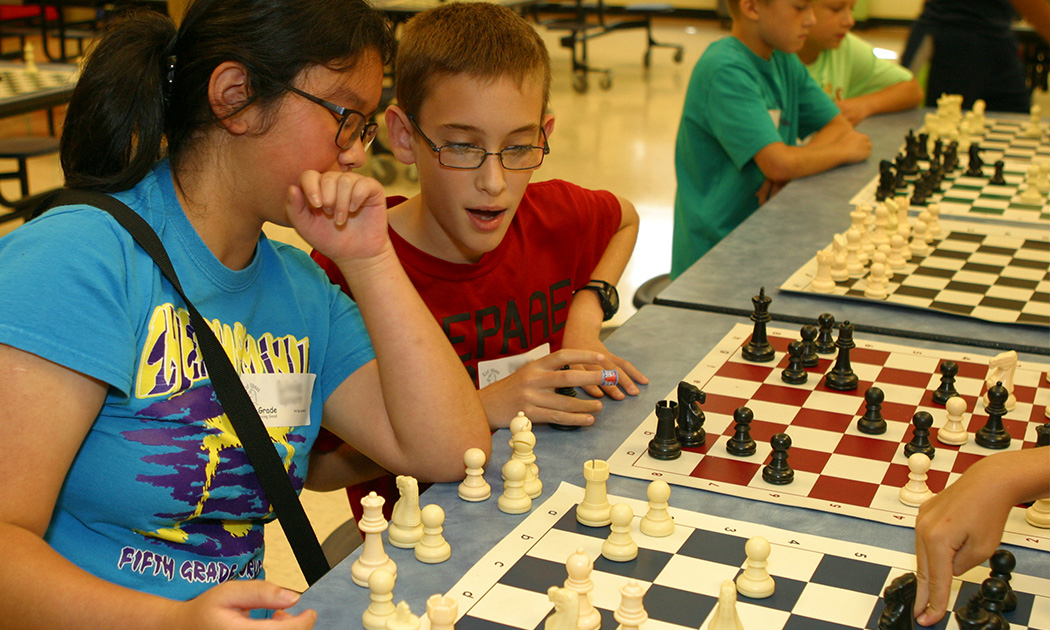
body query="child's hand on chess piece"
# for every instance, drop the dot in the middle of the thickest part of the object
(962, 526)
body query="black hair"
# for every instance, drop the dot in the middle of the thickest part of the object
(125, 113)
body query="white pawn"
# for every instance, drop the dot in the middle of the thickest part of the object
(1044, 176)
(919, 246)
(524, 444)
(933, 223)
(756, 582)
(514, 500)
(433, 548)
(725, 616)
(875, 287)
(474, 487)
(381, 605)
(853, 263)
(1034, 129)
(373, 556)
(822, 282)
(897, 260)
(954, 431)
(1030, 194)
(566, 609)
(595, 510)
(405, 527)
(631, 613)
(657, 522)
(878, 237)
(916, 492)
(579, 567)
(29, 57)
(1038, 514)
(839, 270)
(442, 612)
(619, 546)
(518, 423)
(403, 618)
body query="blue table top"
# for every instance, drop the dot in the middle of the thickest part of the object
(787, 231)
(665, 343)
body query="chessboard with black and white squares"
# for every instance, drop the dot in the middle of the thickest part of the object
(990, 272)
(821, 583)
(16, 82)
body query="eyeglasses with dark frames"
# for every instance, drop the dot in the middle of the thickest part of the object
(353, 125)
(469, 157)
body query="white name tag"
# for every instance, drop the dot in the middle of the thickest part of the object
(775, 115)
(282, 400)
(495, 369)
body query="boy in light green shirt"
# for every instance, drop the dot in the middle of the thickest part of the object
(846, 67)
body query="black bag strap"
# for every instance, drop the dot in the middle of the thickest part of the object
(244, 417)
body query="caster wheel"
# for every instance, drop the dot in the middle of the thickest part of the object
(679, 55)
(647, 59)
(606, 82)
(579, 83)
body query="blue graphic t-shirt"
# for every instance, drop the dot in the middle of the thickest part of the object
(161, 497)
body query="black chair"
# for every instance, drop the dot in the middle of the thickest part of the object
(21, 149)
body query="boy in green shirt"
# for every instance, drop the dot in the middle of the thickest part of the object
(846, 68)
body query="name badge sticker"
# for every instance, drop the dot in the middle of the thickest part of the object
(282, 400)
(775, 115)
(496, 369)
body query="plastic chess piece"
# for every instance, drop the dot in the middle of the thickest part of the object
(29, 58)
(1042, 431)
(970, 616)
(755, 582)
(741, 443)
(794, 373)
(875, 285)
(403, 618)
(810, 358)
(899, 600)
(619, 546)
(993, 434)
(571, 393)
(373, 556)
(406, 528)
(974, 167)
(897, 260)
(1002, 564)
(993, 592)
(524, 451)
(630, 614)
(519, 422)
(433, 548)
(839, 269)
(872, 422)
(854, 266)
(822, 281)
(946, 390)
(758, 349)
(1038, 514)
(778, 472)
(691, 418)
(918, 244)
(725, 616)
(657, 521)
(579, 567)
(997, 177)
(916, 492)
(514, 499)
(825, 343)
(954, 431)
(474, 487)
(595, 509)
(841, 377)
(920, 440)
(1001, 369)
(442, 612)
(566, 609)
(381, 605)
(665, 444)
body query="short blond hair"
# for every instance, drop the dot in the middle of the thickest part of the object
(478, 39)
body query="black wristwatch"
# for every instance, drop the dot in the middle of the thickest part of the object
(607, 295)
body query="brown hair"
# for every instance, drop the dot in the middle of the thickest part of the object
(479, 39)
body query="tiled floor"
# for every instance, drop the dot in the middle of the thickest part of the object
(620, 139)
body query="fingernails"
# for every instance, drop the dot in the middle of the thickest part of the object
(290, 597)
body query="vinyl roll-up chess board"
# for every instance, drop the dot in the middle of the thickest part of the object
(837, 468)
(991, 272)
(821, 583)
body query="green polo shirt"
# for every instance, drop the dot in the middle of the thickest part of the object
(853, 70)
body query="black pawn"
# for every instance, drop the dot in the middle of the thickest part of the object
(1002, 563)
(825, 343)
(778, 471)
(841, 377)
(571, 393)
(993, 590)
(741, 443)
(1042, 434)
(971, 616)
(947, 388)
(665, 444)
(920, 439)
(758, 349)
(993, 434)
(794, 373)
(899, 598)
(997, 176)
(690, 430)
(809, 346)
(872, 421)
